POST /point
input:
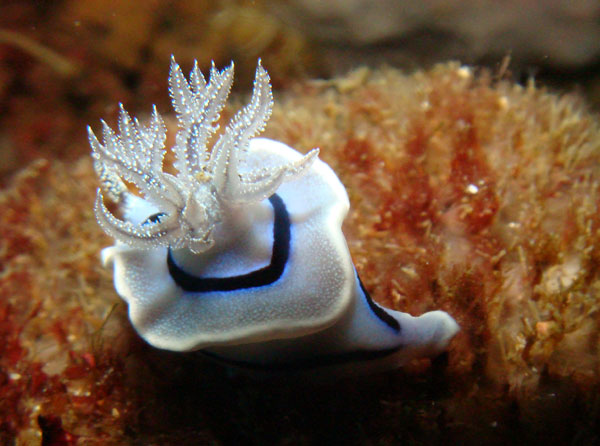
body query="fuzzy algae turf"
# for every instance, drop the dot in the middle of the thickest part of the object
(468, 193)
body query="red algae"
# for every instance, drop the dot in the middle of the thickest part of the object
(49, 276)
(481, 198)
(468, 194)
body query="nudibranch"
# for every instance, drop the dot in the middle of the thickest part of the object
(240, 254)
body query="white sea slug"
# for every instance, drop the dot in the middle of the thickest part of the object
(240, 255)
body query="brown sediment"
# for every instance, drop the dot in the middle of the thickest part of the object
(468, 194)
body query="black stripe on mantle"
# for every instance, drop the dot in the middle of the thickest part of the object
(260, 277)
(383, 315)
(266, 275)
(334, 359)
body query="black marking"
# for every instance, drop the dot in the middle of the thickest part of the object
(306, 363)
(385, 317)
(263, 276)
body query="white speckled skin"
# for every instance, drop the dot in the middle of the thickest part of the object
(357, 331)
(316, 309)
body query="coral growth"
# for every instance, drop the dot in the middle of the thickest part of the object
(468, 193)
(476, 194)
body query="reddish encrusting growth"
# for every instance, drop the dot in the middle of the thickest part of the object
(467, 194)
(475, 196)
(56, 376)
(412, 208)
(471, 179)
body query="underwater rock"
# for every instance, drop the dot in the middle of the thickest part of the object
(558, 33)
(477, 196)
